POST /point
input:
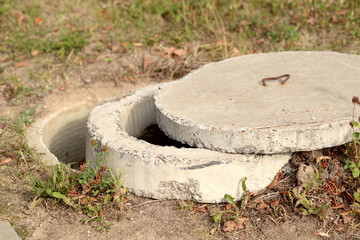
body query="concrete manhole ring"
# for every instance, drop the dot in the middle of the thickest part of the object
(224, 106)
(168, 172)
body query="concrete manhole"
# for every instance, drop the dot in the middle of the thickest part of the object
(224, 106)
(163, 169)
(166, 171)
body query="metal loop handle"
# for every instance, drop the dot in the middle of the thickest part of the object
(286, 76)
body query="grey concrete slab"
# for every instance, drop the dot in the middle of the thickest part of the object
(224, 106)
(7, 232)
(169, 172)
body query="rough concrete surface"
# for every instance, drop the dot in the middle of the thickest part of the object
(169, 172)
(7, 232)
(59, 131)
(223, 106)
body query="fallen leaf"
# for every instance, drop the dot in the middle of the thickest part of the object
(244, 22)
(228, 206)
(235, 52)
(203, 208)
(137, 44)
(20, 18)
(274, 203)
(230, 226)
(38, 21)
(212, 231)
(262, 206)
(322, 234)
(108, 28)
(20, 64)
(179, 52)
(340, 227)
(3, 125)
(115, 48)
(346, 219)
(5, 161)
(148, 61)
(221, 42)
(241, 222)
(34, 53)
(103, 12)
(83, 201)
(73, 193)
(311, 21)
(169, 51)
(343, 12)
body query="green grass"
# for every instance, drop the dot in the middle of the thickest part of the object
(251, 26)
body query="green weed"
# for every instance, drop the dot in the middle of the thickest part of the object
(309, 207)
(232, 214)
(89, 190)
(354, 164)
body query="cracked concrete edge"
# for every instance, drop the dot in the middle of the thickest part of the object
(253, 140)
(168, 172)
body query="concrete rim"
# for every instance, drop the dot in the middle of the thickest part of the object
(168, 172)
(66, 114)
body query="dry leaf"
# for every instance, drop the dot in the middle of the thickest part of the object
(262, 206)
(235, 52)
(228, 206)
(38, 21)
(20, 64)
(5, 161)
(115, 48)
(148, 61)
(212, 231)
(179, 52)
(73, 193)
(169, 51)
(241, 222)
(83, 201)
(20, 18)
(347, 219)
(274, 203)
(34, 53)
(202, 208)
(230, 226)
(137, 44)
(221, 42)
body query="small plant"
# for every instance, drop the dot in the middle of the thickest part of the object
(308, 206)
(354, 164)
(233, 214)
(90, 190)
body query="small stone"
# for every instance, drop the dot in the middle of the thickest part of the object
(305, 174)
(87, 80)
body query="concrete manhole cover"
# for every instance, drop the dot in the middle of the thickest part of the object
(224, 106)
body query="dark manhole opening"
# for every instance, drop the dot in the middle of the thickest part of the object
(154, 135)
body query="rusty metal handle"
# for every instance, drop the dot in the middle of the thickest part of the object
(286, 76)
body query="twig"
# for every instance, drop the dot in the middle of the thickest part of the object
(332, 225)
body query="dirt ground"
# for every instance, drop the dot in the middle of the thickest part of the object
(267, 215)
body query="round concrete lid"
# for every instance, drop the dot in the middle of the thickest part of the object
(224, 106)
